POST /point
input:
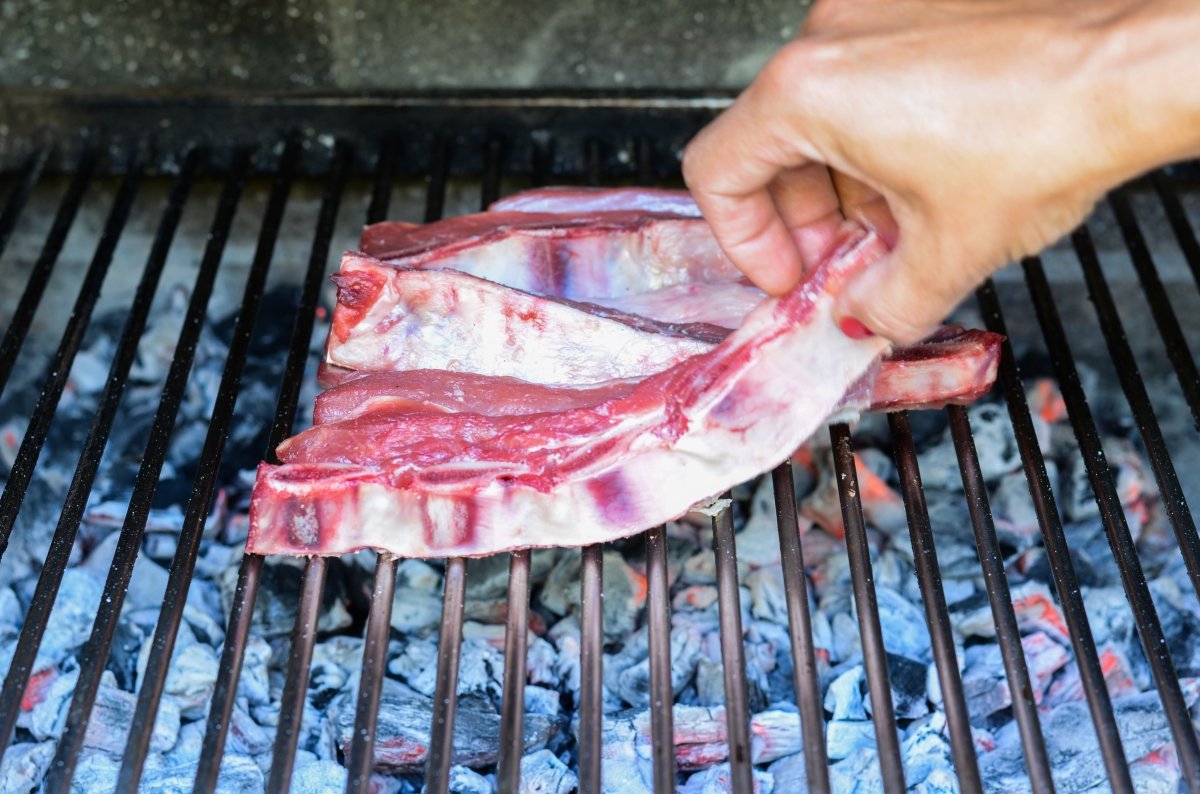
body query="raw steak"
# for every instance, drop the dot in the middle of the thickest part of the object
(473, 484)
(592, 199)
(443, 319)
(957, 366)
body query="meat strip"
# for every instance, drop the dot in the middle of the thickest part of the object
(392, 318)
(723, 304)
(957, 367)
(569, 200)
(583, 256)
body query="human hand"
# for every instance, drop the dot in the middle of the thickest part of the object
(967, 132)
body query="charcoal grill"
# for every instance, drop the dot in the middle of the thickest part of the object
(520, 141)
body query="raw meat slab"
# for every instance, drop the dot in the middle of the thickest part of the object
(477, 484)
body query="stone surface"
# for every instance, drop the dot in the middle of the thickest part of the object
(315, 44)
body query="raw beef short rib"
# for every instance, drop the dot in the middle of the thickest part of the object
(473, 484)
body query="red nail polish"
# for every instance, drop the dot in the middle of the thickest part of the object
(854, 329)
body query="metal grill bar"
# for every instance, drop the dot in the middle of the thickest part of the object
(804, 664)
(512, 721)
(312, 586)
(490, 187)
(1165, 318)
(516, 634)
(996, 584)
(591, 587)
(516, 640)
(733, 658)
(366, 715)
(385, 179)
(439, 173)
(643, 152)
(658, 615)
(1173, 500)
(95, 652)
(1169, 195)
(27, 177)
(362, 743)
(180, 576)
(1120, 541)
(295, 687)
(445, 696)
(1066, 583)
(445, 699)
(662, 694)
(57, 556)
(43, 268)
(59, 369)
(874, 653)
(241, 613)
(310, 293)
(540, 162)
(591, 657)
(925, 561)
(591, 160)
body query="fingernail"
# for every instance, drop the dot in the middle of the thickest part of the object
(854, 329)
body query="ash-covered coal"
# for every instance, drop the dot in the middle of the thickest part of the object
(552, 691)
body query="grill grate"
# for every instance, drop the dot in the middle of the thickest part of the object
(236, 168)
(1115, 526)
(97, 649)
(996, 584)
(804, 670)
(936, 615)
(874, 656)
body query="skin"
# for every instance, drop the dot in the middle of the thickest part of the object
(969, 133)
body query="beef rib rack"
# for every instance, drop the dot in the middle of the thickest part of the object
(433, 444)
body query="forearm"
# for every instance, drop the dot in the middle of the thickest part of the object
(1150, 51)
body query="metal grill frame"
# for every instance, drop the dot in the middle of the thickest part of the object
(540, 155)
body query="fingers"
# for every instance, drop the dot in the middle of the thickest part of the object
(730, 167)
(862, 203)
(909, 293)
(808, 204)
(754, 237)
(731, 192)
(804, 195)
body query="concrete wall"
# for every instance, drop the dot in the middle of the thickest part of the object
(278, 45)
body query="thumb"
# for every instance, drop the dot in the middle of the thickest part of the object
(907, 294)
